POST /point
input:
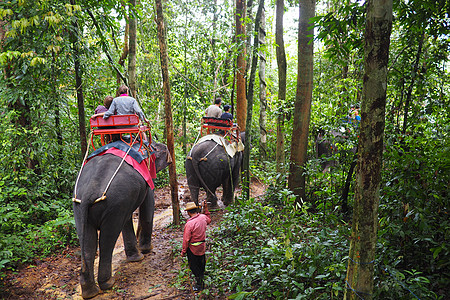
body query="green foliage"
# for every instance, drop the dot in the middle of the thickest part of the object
(414, 208)
(275, 249)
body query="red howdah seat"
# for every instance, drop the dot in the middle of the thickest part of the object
(118, 125)
(212, 125)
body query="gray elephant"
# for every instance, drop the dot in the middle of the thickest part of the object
(326, 146)
(128, 191)
(209, 166)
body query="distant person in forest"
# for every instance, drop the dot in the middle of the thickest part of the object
(354, 114)
(124, 104)
(194, 241)
(214, 110)
(101, 109)
(226, 114)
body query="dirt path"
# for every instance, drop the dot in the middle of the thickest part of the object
(155, 277)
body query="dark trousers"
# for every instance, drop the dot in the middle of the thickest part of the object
(196, 264)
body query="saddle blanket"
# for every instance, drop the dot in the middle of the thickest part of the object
(230, 148)
(143, 164)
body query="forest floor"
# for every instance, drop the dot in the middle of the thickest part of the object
(155, 277)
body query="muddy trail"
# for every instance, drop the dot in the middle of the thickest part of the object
(155, 277)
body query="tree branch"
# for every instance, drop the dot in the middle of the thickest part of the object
(104, 47)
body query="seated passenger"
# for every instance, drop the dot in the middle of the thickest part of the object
(101, 109)
(226, 114)
(124, 104)
(214, 111)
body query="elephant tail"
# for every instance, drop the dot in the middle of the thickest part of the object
(195, 164)
(84, 212)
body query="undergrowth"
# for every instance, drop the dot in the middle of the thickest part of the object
(274, 248)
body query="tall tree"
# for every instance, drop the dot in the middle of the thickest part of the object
(282, 67)
(303, 98)
(241, 98)
(248, 29)
(359, 279)
(248, 135)
(125, 49)
(262, 89)
(78, 82)
(168, 111)
(132, 22)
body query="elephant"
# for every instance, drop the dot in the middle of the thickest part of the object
(326, 146)
(209, 166)
(127, 192)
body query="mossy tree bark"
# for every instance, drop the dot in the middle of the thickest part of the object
(359, 279)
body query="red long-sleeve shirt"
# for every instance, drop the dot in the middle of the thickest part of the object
(195, 231)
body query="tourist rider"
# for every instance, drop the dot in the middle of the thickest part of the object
(214, 110)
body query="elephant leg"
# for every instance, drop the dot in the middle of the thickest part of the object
(89, 288)
(228, 192)
(211, 197)
(129, 241)
(194, 193)
(108, 238)
(146, 212)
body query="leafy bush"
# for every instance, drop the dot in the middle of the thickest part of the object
(277, 250)
(414, 221)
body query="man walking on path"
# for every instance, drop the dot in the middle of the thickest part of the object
(194, 241)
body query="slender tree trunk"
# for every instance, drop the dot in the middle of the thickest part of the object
(185, 100)
(359, 279)
(213, 45)
(413, 78)
(248, 135)
(55, 101)
(262, 90)
(241, 98)
(348, 180)
(132, 48)
(282, 67)
(124, 50)
(79, 85)
(248, 30)
(168, 110)
(303, 98)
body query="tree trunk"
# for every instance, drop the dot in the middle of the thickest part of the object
(348, 180)
(413, 78)
(168, 110)
(262, 90)
(303, 98)
(248, 136)
(185, 96)
(132, 48)
(359, 279)
(282, 67)
(124, 51)
(79, 86)
(248, 30)
(241, 98)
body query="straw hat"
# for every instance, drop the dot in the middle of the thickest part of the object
(191, 205)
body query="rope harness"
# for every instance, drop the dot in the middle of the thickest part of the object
(103, 197)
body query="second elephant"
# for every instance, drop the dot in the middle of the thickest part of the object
(209, 166)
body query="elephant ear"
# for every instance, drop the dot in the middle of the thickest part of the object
(163, 157)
